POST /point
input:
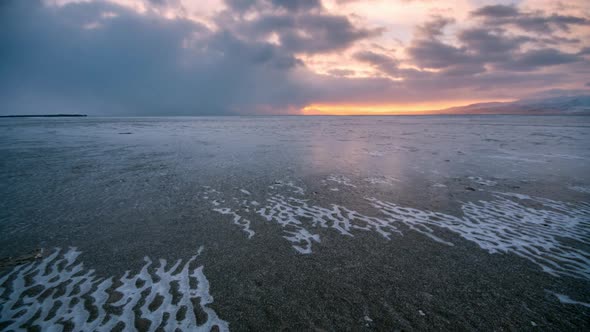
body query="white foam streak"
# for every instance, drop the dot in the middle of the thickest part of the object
(297, 216)
(289, 185)
(568, 300)
(340, 179)
(58, 291)
(551, 234)
(581, 189)
(237, 220)
(503, 225)
(388, 180)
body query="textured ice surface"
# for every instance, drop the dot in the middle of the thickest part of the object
(482, 181)
(341, 179)
(538, 229)
(582, 189)
(506, 225)
(288, 185)
(388, 180)
(238, 220)
(296, 216)
(568, 300)
(59, 291)
(77, 179)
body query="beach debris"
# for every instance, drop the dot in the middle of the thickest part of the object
(23, 259)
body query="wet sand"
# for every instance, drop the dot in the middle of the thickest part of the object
(348, 223)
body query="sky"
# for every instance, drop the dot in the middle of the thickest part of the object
(238, 57)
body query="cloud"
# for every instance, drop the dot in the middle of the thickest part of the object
(534, 59)
(73, 57)
(322, 33)
(298, 5)
(384, 63)
(303, 33)
(341, 72)
(538, 22)
(261, 56)
(434, 27)
(288, 5)
(496, 11)
(487, 42)
(436, 54)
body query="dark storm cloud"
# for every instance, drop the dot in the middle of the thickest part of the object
(384, 63)
(434, 27)
(433, 53)
(303, 32)
(481, 46)
(485, 41)
(290, 5)
(322, 33)
(298, 4)
(128, 63)
(496, 11)
(534, 59)
(538, 22)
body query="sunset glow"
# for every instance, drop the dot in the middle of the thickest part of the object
(387, 109)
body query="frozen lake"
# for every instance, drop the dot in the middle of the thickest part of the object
(299, 223)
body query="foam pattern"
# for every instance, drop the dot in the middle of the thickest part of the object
(582, 189)
(341, 179)
(296, 216)
(288, 185)
(388, 180)
(59, 293)
(482, 181)
(212, 195)
(552, 234)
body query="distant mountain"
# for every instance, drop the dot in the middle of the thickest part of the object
(579, 105)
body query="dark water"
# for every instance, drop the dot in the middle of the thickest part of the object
(297, 223)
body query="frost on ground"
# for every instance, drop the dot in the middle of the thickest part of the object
(552, 234)
(568, 300)
(506, 225)
(59, 293)
(289, 185)
(388, 180)
(482, 181)
(294, 215)
(340, 179)
(582, 189)
(243, 223)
